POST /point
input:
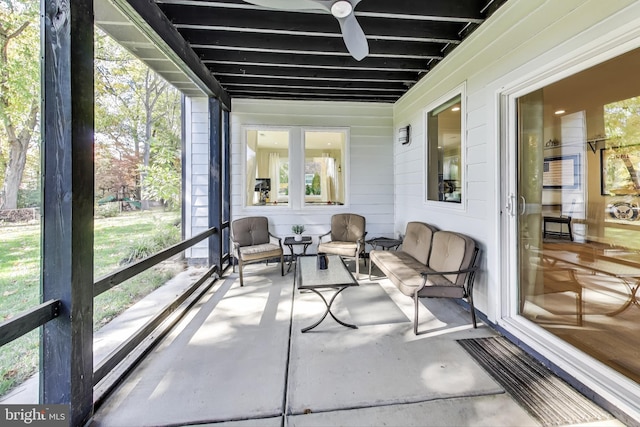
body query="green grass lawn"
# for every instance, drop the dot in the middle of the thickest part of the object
(115, 239)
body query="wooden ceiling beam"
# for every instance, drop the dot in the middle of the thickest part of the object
(296, 60)
(354, 74)
(226, 81)
(256, 52)
(310, 23)
(202, 39)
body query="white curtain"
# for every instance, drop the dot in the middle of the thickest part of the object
(328, 179)
(274, 175)
(251, 177)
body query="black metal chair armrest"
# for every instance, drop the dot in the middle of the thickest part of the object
(426, 274)
(361, 241)
(323, 235)
(442, 273)
(279, 239)
(235, 243)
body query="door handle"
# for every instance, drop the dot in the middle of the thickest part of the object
(510, 202)
(523, 208)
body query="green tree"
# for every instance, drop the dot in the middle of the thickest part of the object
(163, 177)
(135, 109)
(19, 92)
(622, 127)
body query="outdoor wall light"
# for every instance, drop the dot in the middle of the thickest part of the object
(404, 135)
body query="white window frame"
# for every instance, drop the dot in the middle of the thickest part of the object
(461, 91)
(245, 130)
(296, 158)
(345, 165)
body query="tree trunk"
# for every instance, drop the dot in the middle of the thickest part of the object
(18, 139)
(632, 171)
(18, 147)
(153, 90)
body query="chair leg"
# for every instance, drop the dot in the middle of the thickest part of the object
(415, 316)
(282, 264)
(473, 311)
(357, 267)
(240, 270)
(370, 262)
(579, 306)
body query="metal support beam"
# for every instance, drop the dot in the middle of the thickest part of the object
(216, 156)
(66, 350)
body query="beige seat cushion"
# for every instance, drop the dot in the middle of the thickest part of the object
(347, 227)
(346, 231)
(401, 268)
(451, 251)
(257, 252)
(339, 248)
(251, 235)
(250, 231)
(417, 240)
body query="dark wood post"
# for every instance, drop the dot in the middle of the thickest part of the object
(66, 351)
(215, 180)
(226, 184)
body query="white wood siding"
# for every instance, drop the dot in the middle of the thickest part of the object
(197, 178)
(515, 43)
(370, 172)
(525, 41)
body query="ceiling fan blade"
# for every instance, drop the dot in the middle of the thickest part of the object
(286, 4)
(354, 37)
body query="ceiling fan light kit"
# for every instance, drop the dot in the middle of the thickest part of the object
(341, 9)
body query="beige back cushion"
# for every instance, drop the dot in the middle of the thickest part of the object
(347, 227)
(417, 240)
(450, 252)
(253, 230)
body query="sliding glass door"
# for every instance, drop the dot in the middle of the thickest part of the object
(577, 211)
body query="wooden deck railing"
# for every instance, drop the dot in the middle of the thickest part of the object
(34, 318)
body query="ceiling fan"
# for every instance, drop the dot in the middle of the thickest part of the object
(342, 10)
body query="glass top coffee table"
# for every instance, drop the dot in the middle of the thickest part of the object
(337, 276)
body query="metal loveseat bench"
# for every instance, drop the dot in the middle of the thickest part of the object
(431, 264)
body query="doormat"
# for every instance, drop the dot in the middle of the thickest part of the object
(546, 397)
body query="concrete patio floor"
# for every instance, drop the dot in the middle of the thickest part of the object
(239, 359)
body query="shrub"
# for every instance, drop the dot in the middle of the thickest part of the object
(29, 198)
(161, 239)
(107, 210)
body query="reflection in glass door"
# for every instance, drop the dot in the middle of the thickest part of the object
(578, 225)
